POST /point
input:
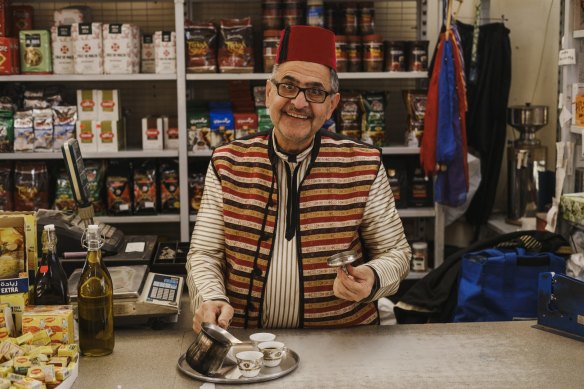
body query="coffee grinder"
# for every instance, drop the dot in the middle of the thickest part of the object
(526, 159)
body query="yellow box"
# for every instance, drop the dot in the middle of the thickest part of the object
(18, 232)
(57, 318)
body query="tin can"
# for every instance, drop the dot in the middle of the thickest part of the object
(373, 53)
(292, 13)
(354, 53)
(418, 56)
(349, 19)
(270, 43)
(366, 19)
(395, 56)
(420, 256)
(315, 13)
(341, 50)
(271, 14)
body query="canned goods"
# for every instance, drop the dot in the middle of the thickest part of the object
(373, 53)
(315, 13)
(292, 13)
(354, 53)
(331, 16)
(366, 19)
(270, 43)
(341, 50)
(418, 56)
(349, 19)
(395, 56)
(419, 256)
(271, 14)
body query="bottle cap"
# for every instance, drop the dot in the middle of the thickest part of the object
(49, 227)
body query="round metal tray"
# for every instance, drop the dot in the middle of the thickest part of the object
(289, 364)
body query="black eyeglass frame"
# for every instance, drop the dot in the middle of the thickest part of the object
(303, 90)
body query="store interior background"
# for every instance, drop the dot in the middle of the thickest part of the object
(535, 39)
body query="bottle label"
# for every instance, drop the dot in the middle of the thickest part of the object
(44, 268)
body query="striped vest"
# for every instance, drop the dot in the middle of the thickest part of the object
(331, 202)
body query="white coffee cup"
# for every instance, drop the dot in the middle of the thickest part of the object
(260, 337)
(273, 352)
(249, 363)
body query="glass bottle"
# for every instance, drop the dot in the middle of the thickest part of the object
(50, 280)
(95, 300)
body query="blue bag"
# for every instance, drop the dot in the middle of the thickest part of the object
(500, 285)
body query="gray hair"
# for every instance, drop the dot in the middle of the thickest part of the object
(334, 78)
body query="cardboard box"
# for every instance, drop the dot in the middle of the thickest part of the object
(147, 54)
(62, 41)
(87, 136)
(8, 63)
(59, 318)
(108, 105)
(35, 52)
(87, 48)
(19, 260)
(87, 106)
(111, 136)
(165, 52)
(170, 133)
(152, 133)
(121, 48)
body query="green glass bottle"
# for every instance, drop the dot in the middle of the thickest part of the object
(95, 300)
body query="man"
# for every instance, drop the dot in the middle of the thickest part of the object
(277, 205)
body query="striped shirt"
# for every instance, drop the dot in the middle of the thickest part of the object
(381, 231)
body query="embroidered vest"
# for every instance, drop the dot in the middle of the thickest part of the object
(331, 200)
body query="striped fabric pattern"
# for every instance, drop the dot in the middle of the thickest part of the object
(332, 199)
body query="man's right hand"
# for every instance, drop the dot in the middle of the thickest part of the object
(216, 312)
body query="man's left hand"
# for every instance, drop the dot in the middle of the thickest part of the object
(356, 285)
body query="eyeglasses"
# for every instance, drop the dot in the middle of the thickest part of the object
(290, 91)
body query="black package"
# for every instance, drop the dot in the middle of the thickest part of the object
(31, 183)
(119, 201)
(6, 187)
(95, 171)
(169, 187)
(145, 193)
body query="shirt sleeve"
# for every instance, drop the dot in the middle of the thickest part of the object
(385, 241)
(205, 260)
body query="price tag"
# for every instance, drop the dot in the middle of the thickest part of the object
(567, 57)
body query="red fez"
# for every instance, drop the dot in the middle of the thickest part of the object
(307, 43)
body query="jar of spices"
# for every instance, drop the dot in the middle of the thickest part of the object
(419, 256)
(418, 58)
(366, 18)
(315, 13)
(354, 53)
(271, 14)
(373, 53)
(349, 19)
(395, 56)
(341, 49)
(270, 43)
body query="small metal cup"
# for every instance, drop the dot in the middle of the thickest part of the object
(342, 259)
(207, 352)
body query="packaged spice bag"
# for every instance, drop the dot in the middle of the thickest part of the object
(235, 52)
(31, 184)
(201, 41)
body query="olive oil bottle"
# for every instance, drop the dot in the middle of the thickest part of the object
(95, 300)
(50, 281)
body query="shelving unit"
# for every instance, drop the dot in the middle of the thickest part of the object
(166, 93)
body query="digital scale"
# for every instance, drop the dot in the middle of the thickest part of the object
(139, 295)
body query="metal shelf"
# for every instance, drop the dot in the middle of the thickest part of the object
(416, 275)
(98, 155)
(87, 77)
(416, 212)
(342, 76)
(138, 219)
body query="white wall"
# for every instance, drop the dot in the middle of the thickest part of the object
(534, 26)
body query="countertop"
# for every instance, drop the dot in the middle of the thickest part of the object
(481, 355)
